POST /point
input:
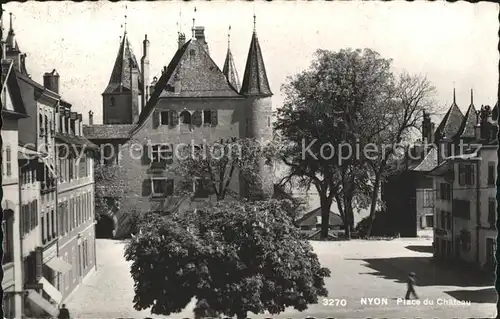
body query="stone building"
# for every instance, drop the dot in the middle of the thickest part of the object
(193, 101)
(464, 182)
(42, 244)
(12, 111)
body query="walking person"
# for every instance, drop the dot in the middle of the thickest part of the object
(63, 313)
(412, 278)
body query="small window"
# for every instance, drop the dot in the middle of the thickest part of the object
(207, 117)
(192, 52)
(165, 117)
(269, 122)
(492, 211)
(429, 221)
(162, 187)
(112, 101)
(8, 161)
(161, 153)
(491, 173)
(185, 117)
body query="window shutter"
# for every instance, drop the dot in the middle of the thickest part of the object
(146, 154)
(146, 187)
(197, 118)
(170, 157)
(156, 118)
(169, 187)
(39, 263)
(214, 117)
(174, 118)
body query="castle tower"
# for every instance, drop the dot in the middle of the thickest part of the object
(123, 95)
(229, 68)
(258, 114)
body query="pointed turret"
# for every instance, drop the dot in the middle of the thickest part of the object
(258, 113)
(229, 69)
(467, 129)
(120, 80)
(122, 96)
(450, 125)
(255, 78)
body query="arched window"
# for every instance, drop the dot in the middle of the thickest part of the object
(112, 101)
(185, 117)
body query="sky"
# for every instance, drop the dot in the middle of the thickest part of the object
(453, 44)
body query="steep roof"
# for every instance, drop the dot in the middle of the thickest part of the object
(467, 129)
(198, 74)
(120, 76)
(309, 219)
(108, 131)
(255, 78)
(10, 82)
(450, 125)
(230, 72)
(429, 162)
(194, 81)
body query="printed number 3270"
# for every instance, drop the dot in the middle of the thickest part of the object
(334, 302)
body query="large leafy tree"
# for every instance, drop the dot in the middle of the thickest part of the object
(328, 104)
(234, 257)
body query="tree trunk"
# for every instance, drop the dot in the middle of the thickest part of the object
(325, 215)
(242, 315)
(348, 214)
(373, 206)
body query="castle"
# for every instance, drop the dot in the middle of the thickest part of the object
(192, 101)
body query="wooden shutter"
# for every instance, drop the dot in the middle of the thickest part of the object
(146, 154)
(174, 118)
(169, 187)
(156, 118)
(170, 158)
(39, 263)
(197, 118)
(146, 187)
(214, 117)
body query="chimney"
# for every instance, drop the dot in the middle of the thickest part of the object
(91, 118)
(145, 71)
(181, 40)
(199, 35)
(51, 81)
(426, 127)
(134, 80)
(477, 131)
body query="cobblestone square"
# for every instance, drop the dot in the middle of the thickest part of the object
(367, 279)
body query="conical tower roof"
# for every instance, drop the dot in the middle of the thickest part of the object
(120, 76)
(255, 78)
(451, 123)
(230, 72)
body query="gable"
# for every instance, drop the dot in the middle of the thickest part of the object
(197, 75)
